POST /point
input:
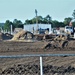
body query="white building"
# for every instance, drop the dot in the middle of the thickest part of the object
(34, 27)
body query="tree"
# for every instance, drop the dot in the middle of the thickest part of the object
(67, 20)
(73, 23)
(61, 24)
(7, 25)
(17, 23)
(40, 19)
(28, 21)
(73, 14)
(56, 23)
(48, 19)
(33, 20)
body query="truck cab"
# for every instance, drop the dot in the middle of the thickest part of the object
(69, 29)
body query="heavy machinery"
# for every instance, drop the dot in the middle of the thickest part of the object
(51, 40)
(60, 41)
(69, 30)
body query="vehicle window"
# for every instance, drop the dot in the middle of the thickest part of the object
(68, 27)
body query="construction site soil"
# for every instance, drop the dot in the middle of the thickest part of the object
(60, 65)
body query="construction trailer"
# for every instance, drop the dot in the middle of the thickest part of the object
(38, 28)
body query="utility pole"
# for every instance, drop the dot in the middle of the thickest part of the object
(36, 16)
(36, 20)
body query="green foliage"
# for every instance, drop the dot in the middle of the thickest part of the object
(17, 24)
(73, 23)
(40, 19)
(7, 25)
(67, 20)
(55, 23)
(73, 14)
(46, 20)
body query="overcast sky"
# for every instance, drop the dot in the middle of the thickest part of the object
(25, 9)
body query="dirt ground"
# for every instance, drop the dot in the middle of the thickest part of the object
(30, 65)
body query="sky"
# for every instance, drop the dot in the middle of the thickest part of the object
(25, 9)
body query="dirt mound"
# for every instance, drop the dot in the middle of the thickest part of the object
(22, 35)
(18, 35)
(27, 69)
(5, 36)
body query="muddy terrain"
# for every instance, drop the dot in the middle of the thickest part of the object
(30, 65)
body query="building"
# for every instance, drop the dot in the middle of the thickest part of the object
(40, 28)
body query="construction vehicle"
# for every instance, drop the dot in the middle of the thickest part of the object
(69, 29)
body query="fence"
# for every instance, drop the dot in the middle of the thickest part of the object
(37, 55)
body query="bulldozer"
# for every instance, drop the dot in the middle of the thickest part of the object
(60, 41)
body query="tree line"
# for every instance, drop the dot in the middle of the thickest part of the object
(41, 20)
